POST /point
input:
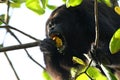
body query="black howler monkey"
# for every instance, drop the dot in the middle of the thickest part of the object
(74, 28)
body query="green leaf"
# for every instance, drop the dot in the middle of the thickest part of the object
(44, 3)
(64, 0)
(83, 77)
(34, 5)
(52, 7)
(16, 3)
(107, 2)
(115, 42)
(95, 74)
(46, 75)
(91, 73)
(78, 60)
(73, 3)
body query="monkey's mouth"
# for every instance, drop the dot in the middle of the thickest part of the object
(59, 40)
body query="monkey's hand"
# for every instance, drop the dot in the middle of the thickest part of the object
(47, 46)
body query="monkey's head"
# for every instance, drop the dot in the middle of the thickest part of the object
(67, 26)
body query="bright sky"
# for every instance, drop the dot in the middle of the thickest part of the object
(33, 24)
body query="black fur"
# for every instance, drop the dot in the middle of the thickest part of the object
(77, 26)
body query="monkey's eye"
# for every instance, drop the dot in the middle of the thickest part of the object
(51, 25)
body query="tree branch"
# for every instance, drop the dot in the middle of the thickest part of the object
(22, 46)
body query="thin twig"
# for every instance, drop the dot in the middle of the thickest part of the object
(25, 49)
(7, 14)
(12, 66)
(8, 26)
(96, 23)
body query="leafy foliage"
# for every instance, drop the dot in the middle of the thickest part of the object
(72, 2)
(90, 72)
(35, 6)
(115, 42)
(94, 73)
(38, 6)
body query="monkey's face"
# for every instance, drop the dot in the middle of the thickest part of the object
(55, 33)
